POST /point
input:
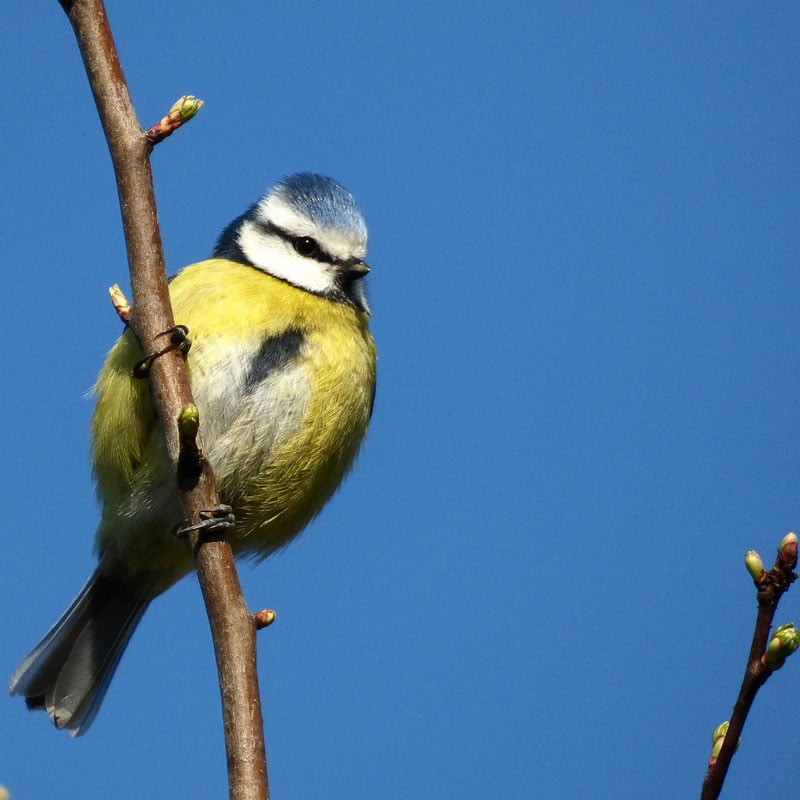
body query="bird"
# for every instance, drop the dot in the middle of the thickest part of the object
(282, 367)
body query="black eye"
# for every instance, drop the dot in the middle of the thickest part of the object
(305, 246)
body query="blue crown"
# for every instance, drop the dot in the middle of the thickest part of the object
(322, 200)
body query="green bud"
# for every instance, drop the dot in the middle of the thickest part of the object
(754, 564)
(785, 640)
(189, 421)
(188, 106)
(720, 731)
(717, 738)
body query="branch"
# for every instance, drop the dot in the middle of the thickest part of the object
(763, 660)
(232, 625)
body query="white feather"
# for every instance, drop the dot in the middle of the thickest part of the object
(276, 256)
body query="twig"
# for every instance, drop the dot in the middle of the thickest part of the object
(763, 660)
(232, 624)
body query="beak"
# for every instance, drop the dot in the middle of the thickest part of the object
(354, 271)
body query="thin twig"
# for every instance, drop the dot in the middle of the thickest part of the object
(763, 659)
(232, 624)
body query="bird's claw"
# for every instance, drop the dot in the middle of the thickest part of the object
(178, 340)
(214, 520)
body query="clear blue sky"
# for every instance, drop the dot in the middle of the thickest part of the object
(584, 239)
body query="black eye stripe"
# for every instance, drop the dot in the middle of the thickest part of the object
(305, 246)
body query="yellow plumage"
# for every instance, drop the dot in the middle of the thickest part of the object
(230, 310)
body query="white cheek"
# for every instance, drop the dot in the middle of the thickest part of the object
(276, 256)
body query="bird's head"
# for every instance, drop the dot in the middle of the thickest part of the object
(306, 230)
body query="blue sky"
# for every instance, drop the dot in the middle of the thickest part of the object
(584, 240)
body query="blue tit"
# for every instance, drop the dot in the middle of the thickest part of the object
(282, 368)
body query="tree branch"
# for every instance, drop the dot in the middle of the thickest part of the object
(232, 625)
(765, 657)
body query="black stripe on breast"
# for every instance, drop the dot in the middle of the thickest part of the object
(275, 352)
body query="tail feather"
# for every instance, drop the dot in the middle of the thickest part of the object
(68, 672)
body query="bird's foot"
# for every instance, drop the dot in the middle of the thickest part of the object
(178, 340)
(214, 520)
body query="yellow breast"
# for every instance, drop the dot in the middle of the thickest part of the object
(284, 382)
